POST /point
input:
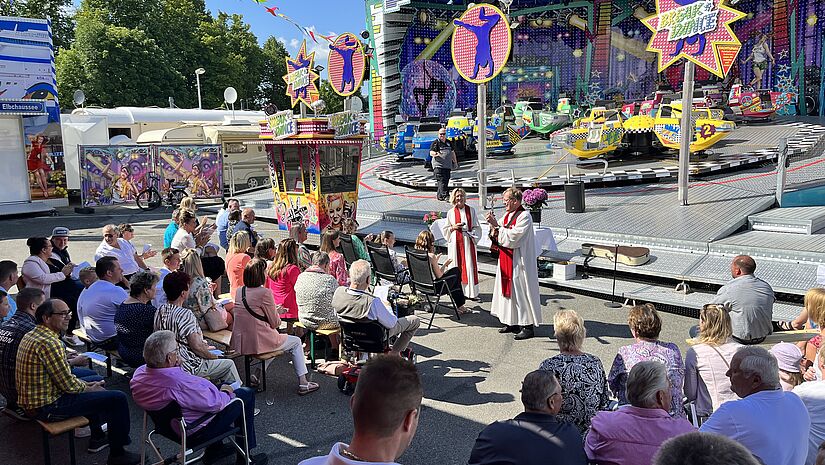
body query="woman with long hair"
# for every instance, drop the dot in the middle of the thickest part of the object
(282, 274)
(463, 231)
(236, 259)
(330, 242)
(707, 362)
(201, 297)
(36, 163)
(426, 242)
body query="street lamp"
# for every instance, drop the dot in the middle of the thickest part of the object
(198, 73)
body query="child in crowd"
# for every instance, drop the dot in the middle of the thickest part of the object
(88, 276)
(788, 357)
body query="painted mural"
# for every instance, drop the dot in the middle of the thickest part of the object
(200, 166)
(594, 51)
(113, 174)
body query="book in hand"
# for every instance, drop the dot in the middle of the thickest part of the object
(95, 356)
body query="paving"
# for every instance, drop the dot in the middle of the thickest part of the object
(467, 383)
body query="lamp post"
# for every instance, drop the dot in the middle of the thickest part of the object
(198, 73)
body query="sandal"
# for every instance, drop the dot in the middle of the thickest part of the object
(783, 326)
(308, 388)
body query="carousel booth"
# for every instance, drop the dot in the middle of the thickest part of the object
(314, 165)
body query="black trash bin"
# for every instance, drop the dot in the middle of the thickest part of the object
(574, 197)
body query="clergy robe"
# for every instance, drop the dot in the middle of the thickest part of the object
(467, 261)
(523, 308)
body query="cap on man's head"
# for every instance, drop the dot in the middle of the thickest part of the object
(60, 231)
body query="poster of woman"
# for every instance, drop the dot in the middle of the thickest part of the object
(199, 168)
(113, 174)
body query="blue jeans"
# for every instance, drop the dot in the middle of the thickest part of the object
(87, 374)
(229, 416)
(99, 407)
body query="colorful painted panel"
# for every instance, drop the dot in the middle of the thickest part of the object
(295, 209)
(113, 174)
(336, 207)
(200, 166)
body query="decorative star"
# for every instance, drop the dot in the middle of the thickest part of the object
(596, 74)
(632, 78)
(306, 94)
(721, 48)
(784, 68)
(782, 54)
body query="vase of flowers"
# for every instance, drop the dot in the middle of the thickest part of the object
(535, 199)
(432, 217)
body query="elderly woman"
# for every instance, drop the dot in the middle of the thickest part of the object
(645, 325)
(583, 382)
(426, 242)
(135, 318)
(314, 289)
(337, 266)
(349, 226)
(201, 299)
(195, 355)
(257, 322)
(298, 233)
(36, 271)
(463, 231)
(236, 259)
(707, 362)
(633, 434)
(114, 246)
(281, 276)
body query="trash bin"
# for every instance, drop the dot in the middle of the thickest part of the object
(574, 197)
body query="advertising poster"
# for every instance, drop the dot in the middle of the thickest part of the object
(113, 173)
(27, 75)
(199, 167)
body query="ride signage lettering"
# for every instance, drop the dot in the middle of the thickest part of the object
(298, 79)
(282, 124)
(690, 20)
(345, 124)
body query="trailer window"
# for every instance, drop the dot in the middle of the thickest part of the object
(339, 168)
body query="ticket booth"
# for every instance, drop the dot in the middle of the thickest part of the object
(314, 172)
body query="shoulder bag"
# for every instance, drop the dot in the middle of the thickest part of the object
(248, 309)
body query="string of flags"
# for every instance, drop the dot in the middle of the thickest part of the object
(273, 10)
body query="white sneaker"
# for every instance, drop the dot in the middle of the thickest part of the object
(85, 431)
(72, 340)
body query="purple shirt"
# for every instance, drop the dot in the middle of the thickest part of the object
(631, 435)
(154, 388)
(663, 352)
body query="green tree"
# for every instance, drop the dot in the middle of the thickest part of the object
(60, 12)
(334, 102)
(273, 87)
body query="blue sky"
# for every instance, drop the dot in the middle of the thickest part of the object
(324, 16)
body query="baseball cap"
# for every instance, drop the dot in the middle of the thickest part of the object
(787, 356)
(60, 231)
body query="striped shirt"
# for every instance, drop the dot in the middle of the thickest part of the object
(42, 373)
(182, 322)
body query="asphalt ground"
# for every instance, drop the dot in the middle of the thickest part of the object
(471, 373)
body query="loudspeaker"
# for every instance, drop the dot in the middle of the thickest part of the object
(574, 197)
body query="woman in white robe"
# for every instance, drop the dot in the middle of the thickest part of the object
(463, 231)
(521, 310)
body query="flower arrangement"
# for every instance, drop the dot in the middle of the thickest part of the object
(431, 217)
(535, 199)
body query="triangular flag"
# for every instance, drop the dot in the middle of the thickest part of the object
(727, 56)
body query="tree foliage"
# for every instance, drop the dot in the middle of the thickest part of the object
(334, 102)
(273, 87)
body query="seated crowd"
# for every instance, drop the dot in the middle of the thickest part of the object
(749, 405)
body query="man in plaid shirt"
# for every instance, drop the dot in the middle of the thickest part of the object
(48, 390)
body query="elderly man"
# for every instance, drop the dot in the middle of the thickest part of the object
(247, 220)
(703, 449)
(751, 301)
(121, 249)
(67, 290)
(771, 423)
(385, 410)
(633, 434)
(162, 381)
(48, 390)
(536, 436)
(516, 300)
(298, 233)
(8, 278)
(222, 221)
(98, 304)
(354, 303)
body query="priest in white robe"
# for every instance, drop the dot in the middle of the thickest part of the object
(463, 231)
(516, 301)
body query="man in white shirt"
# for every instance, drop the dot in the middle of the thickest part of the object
(812, 394)
(353, 303)
(121, 249)
(385, 410)
(98, 304)
(171, 262)
(771, 423)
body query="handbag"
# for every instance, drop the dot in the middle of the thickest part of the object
(214, 320)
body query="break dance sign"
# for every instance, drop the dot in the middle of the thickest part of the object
(346, 64)
(481, 43)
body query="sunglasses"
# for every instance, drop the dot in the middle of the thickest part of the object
(108, 235)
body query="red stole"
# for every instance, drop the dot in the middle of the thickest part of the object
(505, 255)
(460, 243)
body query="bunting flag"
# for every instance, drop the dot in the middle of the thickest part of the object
(304, 30)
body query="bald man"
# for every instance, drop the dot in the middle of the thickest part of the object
(751, 302)
(247, 219)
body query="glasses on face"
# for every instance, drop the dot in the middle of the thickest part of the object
(67, 314)
(442, 133)
(108, 235)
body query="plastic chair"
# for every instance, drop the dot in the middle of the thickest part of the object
(423, 281)
(347, 249)
(383, 266)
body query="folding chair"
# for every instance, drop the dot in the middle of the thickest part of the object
(163, 420)
(423, 281)
(383, 266)
(347, 249)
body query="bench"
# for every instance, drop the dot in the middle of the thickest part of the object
(222, 337)
(796, 335)
(57, 428)
(92, 346)
(312, 334)
(258, 359)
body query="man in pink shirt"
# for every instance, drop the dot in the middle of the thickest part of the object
(162, 381)
(633, 434)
